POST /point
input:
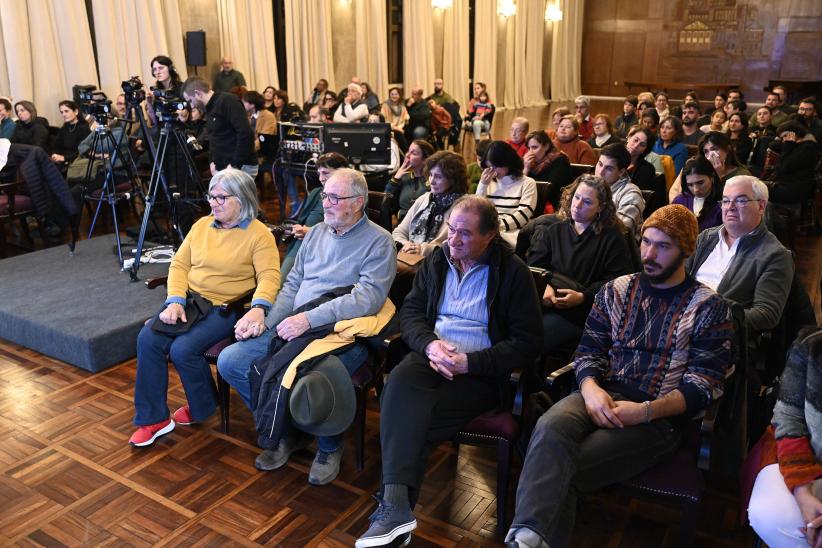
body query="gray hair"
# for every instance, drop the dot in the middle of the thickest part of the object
(356, 183)
(758, 188)
(241, 185)
(584, 99)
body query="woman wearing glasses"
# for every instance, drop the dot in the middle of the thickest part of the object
(224, 256)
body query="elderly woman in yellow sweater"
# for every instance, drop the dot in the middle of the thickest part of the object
(224, 256)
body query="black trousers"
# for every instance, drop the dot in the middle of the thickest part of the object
(43, 179)
(421, 409)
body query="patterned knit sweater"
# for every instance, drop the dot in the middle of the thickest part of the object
(644, 342)
(797, 416)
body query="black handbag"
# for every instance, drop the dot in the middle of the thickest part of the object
(561, 281)
(197, 307)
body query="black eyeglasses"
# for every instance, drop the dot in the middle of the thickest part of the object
(739, 201)
(219, 199)
(334, 199)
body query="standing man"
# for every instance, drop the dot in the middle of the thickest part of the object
(230, 135)
(656, 349)
(471, 317)
(228, 78)
(439, 96)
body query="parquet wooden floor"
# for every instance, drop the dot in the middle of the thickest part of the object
(68, 478)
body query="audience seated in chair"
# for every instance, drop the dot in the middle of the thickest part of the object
(741, 260)
(603, 132)
(786, 501)
(518, 132)
(669, 143)
(583, 248)
(7, 125)
(72, 132)
(795, 169)
(30, 129)
(394, 113)
(691, 134)
(635, 384)
(612, 166)
(556, 117)
(544, 162)
(440, 123)
(738, 134)
(583, 117)
(262, 120)
(353, 108)
(419, 116)
(716, 147)
(224, 256)
(343, 271)
(808, 114)
(470, 319)
(628, 118)
(480, 115)
(639, 144)
(425, 226)
(513, 194)
(475, 168)
(761, 136)
(701, 194)
(409, 182)
(568, 141)
(439, 96)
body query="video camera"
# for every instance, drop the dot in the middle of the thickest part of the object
(166, 104)
(95, 103)
(133, 90)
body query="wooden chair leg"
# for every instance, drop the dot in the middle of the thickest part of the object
(359, 425)
(224, 399)
(690, 511)
(504, 452)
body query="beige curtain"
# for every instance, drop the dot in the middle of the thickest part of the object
(566, 52)
(309, 54)
(247, 36)
(455, 52)
(370, 28)
(485, 46)
(129, 34)
(523, 55)
(418, 46)
(45, 48)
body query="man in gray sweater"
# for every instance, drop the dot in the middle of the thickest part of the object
(741, 260)
(345, 250)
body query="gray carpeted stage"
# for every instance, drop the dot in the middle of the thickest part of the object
(80, 309)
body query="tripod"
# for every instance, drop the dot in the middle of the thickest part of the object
(109, 149)
(168, 131)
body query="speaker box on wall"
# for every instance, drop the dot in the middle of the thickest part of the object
(196, 48)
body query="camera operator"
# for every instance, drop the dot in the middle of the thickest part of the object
(194, 126)
(231, 136)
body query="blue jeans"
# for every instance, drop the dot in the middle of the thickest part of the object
(235, 361)
(186, 352)
(569, 454)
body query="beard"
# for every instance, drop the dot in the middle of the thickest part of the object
(665, 274)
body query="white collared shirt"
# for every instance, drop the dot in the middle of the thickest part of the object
(713, 269)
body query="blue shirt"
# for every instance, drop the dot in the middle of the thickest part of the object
(678, 151)
(6, 128)
(462, 317)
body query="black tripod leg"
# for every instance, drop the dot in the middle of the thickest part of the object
(154, 183)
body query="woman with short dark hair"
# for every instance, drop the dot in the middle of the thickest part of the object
(716, 147)
(224, 256)
(70, 135)
(738, 133)
(424, 227)
(669, 142)
(30, 129)
(409, 182)
(513, 194)
(544, 162)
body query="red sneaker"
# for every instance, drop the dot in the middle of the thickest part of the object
(183, 416)
(145, 435)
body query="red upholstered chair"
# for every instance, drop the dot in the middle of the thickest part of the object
(13, 206)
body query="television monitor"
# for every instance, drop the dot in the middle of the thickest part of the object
(360, 143)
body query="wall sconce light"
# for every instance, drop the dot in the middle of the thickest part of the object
(553, 13)
(506, 8)
(442, 4)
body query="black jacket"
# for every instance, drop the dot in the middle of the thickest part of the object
(230, 135)
(514, 318)
(34, 133)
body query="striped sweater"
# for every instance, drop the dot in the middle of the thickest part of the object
(515, 200)
(797, 416)
(644, 342)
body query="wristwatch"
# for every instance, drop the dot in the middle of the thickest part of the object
(265, 308)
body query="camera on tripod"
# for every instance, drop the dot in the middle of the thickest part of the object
(95, 103)
(133, 90)
(166, 104)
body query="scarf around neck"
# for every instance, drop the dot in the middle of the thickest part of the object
(427, 223)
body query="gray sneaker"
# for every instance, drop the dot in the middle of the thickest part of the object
(325, 468)
(387, 524)
(271, 460)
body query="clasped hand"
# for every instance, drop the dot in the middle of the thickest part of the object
(561, 298)
(251, 325)
(607, 413)
(445, 360)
